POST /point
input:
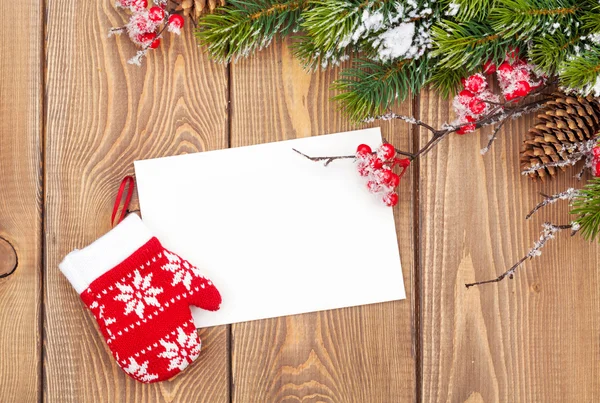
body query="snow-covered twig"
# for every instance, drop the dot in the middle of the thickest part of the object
(572, 159)
(548, 232)
(568, 194)
(571, 154)
(496, 115)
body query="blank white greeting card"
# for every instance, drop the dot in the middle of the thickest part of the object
(277, 234)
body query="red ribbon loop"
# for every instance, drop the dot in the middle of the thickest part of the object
(126, 180)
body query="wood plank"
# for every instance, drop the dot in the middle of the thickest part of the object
(20, 200)
(102, 115)
(361, 354)
(531, 339)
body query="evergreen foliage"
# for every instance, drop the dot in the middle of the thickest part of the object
(587, 208)
(400, 46)
(369, 88)
(246, 26)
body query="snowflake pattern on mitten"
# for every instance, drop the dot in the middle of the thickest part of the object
(142, 303)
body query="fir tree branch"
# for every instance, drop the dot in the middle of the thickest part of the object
(591, 18)
(581, 72)
(329, 27)
(550, 51)
(468, 10)
(587, 208)
(313, 58)
(446, 81)
(244, 27)
(370, 88)
(530, 18)
(469, 45)
(335, 28)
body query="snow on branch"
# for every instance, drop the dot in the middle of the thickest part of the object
(549, 231)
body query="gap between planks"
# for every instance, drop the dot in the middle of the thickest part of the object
(416, 294)
(43, 142)
(228, 71)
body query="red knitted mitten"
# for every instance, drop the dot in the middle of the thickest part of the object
(140, 294)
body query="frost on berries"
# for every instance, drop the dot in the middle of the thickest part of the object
(517, 79)
(146, 25)
(472, 103)
(377, 169)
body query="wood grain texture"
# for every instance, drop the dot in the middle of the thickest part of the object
(102, 114)
(21, 100)
(531, 339)
(361, 354)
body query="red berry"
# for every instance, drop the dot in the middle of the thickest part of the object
(476, 106)
(463, 81)
(385, 176)
(469, 118)
(522, 88)
(394, 180)
(156, 14)
(138, 5)
(402, 162)
(386, 151)
(522, 74)
(596, 151)
(176, 20)
(146, 37)
(464, 97)
(155, 43)
(373, 186)
(466, 129)
(476, 83)
(376, 163)
(506, 68)
(390, 199)
(489, 67)
(363, 168)
(363, 149)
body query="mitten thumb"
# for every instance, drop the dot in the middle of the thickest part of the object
(205, 295)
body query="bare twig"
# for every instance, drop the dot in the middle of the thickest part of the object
(496, 115)
(116, 31)
(327, 160)
(548, 232)
(568, 194)
(497, 130)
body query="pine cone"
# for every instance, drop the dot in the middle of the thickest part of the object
(195, 8)
(565, 121)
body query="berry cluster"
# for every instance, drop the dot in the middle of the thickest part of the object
(146, 25)
(472, 102)
(377, 168)
(516, 78)
(596, 161)
(515, 75)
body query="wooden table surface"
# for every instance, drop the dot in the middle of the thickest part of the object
(74, 116)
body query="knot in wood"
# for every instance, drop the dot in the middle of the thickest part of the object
(8, 258)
